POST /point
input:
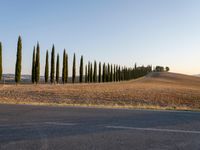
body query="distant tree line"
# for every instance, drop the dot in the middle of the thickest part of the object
(94, 72)
(161, 69)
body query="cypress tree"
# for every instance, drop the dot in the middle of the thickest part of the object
(95, 72)
(108, 73)
(114, 73)
(33, 66)
(64, 67)
(74, 69)
(119, 73)
(88, 75)
(37, 64)
(124, 73)
(52, 64)
(1, 66)
(111, 73)
(104, 72)
(66, 63)
(91, 73)
(86, 78)
(46, 74)
(99, 72)
(57, 69)
(18, 65)
(81, 70)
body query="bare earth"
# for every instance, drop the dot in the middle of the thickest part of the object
(156, 90)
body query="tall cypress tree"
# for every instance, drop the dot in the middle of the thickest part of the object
(37, 64)
(46, 74)
(81, 70)
(99, 72)
(108, 73)
(18, 65)
(111, 73)
(52, 64)
(91, 73)
(88, 75)
(86, 78)
(116, 72)
(66, 63)
(33, 66)
(74, 69)
(1, 66)
(104, 73)
(106, 68)
(124, 74)
(64, 67)
(57, 69)
(114, 76)
(119, 73)
(95, 72)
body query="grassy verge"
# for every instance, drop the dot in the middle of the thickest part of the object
(148, 107)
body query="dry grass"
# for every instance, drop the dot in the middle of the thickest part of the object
(157, 90)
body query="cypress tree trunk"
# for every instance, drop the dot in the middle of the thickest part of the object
(95, 72)
(37, 64)
(74, 69)
(33, 66)
(86, 78)
(57, 69)
(18, 65)
(64, 68)
(1, 66)
(99, 72)
(52, 64)
(81, 70)
(46, 74)
(66, 73)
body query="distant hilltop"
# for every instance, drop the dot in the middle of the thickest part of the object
(197, 75)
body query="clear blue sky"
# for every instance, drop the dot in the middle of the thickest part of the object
(164, 32)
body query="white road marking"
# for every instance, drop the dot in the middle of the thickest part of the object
(60, 123)
(154, 129)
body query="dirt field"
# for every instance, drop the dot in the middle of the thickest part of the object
(157, 90)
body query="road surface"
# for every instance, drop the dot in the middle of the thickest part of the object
(25, 127)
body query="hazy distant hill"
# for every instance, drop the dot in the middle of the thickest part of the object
(10, 78)
(197, 75)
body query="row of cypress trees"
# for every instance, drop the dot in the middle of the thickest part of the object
(109, 73)
(105, 73)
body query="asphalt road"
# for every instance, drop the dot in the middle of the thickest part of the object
(59, 128)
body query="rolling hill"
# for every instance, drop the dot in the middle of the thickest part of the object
(156, 90)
